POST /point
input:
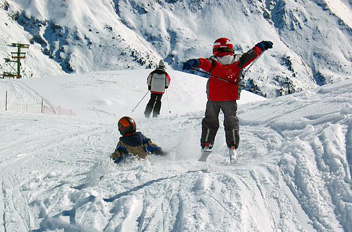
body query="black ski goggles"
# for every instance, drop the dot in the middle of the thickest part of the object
(223, 49)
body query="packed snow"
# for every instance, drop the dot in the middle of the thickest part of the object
(293, 171)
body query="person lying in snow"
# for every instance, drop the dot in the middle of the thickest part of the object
(132, 143)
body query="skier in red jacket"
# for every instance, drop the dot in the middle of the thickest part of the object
(223, 90)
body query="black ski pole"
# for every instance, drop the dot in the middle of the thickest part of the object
(246, 70)
(140, 101)
(167, 97)
(217, 77)
(220, 78)
(211, 75)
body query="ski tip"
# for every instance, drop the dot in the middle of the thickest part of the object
(204, 156)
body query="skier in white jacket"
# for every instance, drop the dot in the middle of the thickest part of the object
(158, 81)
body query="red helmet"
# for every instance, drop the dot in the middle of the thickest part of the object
(126, 125)
(223, 47)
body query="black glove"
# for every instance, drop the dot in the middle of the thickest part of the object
(189, 64)
(265, 45)
(159, 152)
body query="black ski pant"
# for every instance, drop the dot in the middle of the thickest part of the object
(210, 123)
(154, 105)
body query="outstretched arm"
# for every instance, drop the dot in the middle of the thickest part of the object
(189, 64)
(255, 52)
(201, 63)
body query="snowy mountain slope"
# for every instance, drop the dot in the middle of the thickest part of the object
(36, 62)
(342, 9)
(68, 36)
(293, 174)
(312, 39)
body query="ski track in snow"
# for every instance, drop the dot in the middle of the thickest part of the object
(293, 173)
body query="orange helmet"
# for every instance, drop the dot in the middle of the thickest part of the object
(223, 47)
(126, 125)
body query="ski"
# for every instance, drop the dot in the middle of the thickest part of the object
(233, 160)
(206, 152)
(233, 156)
(204, 155)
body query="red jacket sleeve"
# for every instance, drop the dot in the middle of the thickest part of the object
(249, 57)
(205, 64)
(168, 80)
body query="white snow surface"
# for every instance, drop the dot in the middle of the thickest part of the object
(293, 171)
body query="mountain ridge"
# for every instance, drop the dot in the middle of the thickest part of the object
(311, 39)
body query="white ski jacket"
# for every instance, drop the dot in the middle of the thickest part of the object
(158, 81)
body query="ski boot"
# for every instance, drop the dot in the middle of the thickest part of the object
(205, 152)
(232, 154)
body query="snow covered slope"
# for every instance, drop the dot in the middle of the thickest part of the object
(293, 174)
(312, 39)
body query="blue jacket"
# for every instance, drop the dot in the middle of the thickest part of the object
(135, 144)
